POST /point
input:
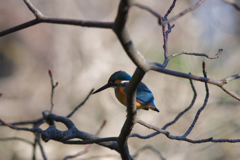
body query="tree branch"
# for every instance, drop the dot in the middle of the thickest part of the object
(51, 133)
(197, 54)
(196, 5)
(53, 87)
(233, 3)
(87, 148)
(150, 148)
(17, 138)
(40, 18)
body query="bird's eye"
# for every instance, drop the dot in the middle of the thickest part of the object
(111, 82)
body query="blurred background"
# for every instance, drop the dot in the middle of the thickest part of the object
(82, 58)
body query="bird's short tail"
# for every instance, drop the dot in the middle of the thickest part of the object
(153, 107)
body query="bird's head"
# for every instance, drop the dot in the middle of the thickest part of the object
(116, 79)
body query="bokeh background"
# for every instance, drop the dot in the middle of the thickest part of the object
(82, 58)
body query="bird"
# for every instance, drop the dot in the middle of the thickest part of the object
(119, 81)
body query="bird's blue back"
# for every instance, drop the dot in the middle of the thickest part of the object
(144, 95)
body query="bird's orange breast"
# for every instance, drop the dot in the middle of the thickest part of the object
(122, 97)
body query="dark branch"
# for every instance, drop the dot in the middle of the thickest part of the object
(51, 133)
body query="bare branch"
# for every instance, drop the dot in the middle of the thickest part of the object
(149, 126)
(170, 9)
(88, 146)
(37, 135)
(203, 106)
(21, 128)
(183, 12)
(16, 138)
(52, 90)
(40, 18)
(176, 118)
(219, 83)
(33, 9)
(154, 13)
(231, 78)
(26, 122)
(184, 111)
(150, 148)
(97, 140)
(101, 156)
(51, 133)
(81, 104)
(231, 93)
(197, 54)
(233, 3)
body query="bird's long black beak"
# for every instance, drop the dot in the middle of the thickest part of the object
(103, 87)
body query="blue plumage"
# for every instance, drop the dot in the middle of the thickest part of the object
(119, 80)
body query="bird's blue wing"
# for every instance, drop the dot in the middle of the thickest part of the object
(144, 95)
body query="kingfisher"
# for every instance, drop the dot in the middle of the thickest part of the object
(119, 81)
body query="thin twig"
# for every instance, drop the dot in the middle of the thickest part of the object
(34, 147)
(40, 146)
(81, 104)
(220, 83)
(231, 78)
(184, 111)
(21, 128)
(52, 90)
(203, 106)
(101, 156)
(173, 121)
(166, 33)
(197, 54)
(26, 122)
(150, 148)
(154, 13)
(17, 138)
(40, 18)
(183, 12)
(33, 9)
(170, 9)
